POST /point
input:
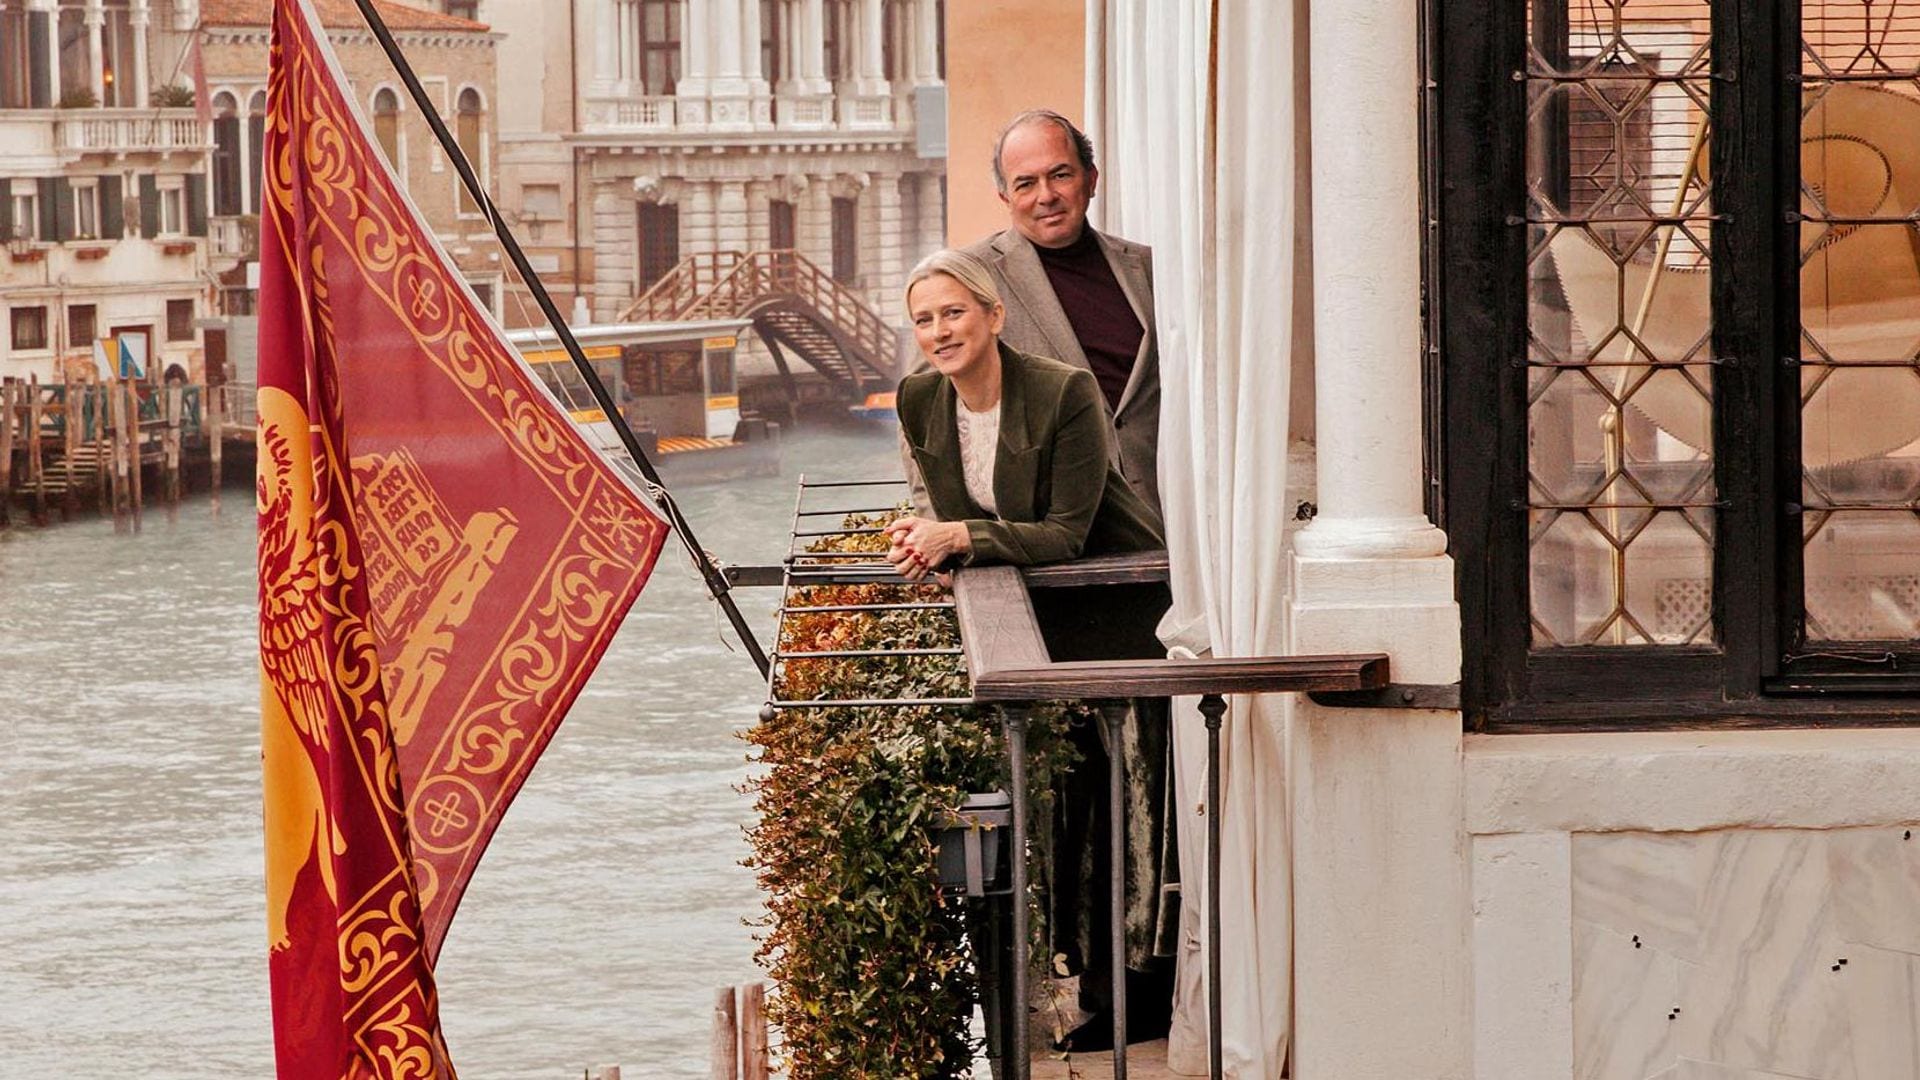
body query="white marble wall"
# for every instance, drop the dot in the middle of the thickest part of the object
(1734, 954)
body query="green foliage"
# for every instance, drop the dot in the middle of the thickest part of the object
(874, 979)
(78, 97)
(172, 96)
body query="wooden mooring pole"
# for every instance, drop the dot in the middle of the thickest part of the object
(114, 435)
(739, 1044)
(6, 451)
(134, 447)
(36, 465)
(213, 422)
(70, 392)
(753, 1031)
(723, 1058)
(103, 476)
(170, 442)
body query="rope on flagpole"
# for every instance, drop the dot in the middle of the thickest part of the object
(715, 581)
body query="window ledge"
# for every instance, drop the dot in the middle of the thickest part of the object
(1687, 781)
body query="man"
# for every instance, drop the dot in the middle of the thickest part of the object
(1085, 298)
(1073, 293)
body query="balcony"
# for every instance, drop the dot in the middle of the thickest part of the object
(234, 237)
(674, 115)
(131, 131)
(655, 113)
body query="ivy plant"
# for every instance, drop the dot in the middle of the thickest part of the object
(874, 977)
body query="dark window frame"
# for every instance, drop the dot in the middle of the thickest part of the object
(19, 317)
(660, 52)
(82, 317)
(846, 240)
(1755, 673)
(180, 316)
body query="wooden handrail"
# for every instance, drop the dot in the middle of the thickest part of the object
(1007, 658)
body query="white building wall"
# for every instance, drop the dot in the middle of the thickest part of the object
(1695, 905)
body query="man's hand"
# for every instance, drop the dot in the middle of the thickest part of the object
(920, 544)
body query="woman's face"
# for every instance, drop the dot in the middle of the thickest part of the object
(955, 332)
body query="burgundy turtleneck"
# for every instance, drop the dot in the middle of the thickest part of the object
(1097, 308)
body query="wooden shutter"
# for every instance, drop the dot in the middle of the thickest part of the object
(49, 211)
(196, 196)
(62, 209)
(113, 222)
(149, 206)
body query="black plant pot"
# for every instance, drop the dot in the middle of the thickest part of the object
(972, 840)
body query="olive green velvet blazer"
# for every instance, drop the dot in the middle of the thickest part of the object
(1059, 494)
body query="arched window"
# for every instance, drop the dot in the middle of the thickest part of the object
(227, 155)
(256, 143)
(470, 115)
(386, 125)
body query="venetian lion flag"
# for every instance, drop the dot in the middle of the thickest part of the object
(442, 562)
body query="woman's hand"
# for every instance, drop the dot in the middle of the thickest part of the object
(920, 544)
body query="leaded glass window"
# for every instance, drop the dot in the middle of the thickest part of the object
(1676, 312)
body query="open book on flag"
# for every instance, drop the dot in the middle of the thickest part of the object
(443, 560)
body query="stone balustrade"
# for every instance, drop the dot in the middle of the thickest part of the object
(131, 131)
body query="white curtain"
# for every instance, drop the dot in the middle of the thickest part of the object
(1199, 116)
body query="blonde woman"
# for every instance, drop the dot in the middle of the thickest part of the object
(1013, 449)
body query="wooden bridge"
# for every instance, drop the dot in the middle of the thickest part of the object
(795, 307)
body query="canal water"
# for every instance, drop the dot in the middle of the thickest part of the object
(608, 910)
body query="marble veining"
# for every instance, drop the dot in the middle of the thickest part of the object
(1746, 954)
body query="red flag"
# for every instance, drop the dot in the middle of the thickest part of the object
(442, 562)
(202, 101)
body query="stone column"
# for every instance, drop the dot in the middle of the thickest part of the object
(813, 227)
(813, 37)
(759, 102)
(889, 245)
(603, 24)
(698, 220)
(870, 78)
(731, 227)
(724, 26)
(788, 14)
(696, 51)
(96, 19)
(139, 20)
(1381, 971)
(933, 214)
(615, 242)
(759, 227)
(926, 42)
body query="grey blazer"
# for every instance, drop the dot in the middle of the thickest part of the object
(1036, 324)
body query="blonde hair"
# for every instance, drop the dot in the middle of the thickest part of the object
(969, 271)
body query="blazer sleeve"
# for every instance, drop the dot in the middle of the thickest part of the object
(1079, 481)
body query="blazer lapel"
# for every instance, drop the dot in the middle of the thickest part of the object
(940, 460)
(1016, 459)
(1130, 269)
(1029, 289)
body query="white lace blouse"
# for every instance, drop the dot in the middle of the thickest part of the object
(979, 445)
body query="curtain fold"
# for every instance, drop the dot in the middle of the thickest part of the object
(1200, 110)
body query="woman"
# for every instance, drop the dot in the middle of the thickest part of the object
(1014, 449)
(1017, 457)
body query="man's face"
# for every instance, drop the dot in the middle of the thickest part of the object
(1047, 189)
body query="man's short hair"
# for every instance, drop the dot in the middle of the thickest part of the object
(1082, 146)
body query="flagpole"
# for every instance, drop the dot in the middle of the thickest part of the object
(715, 581)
